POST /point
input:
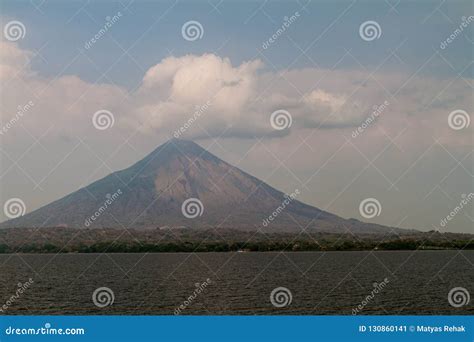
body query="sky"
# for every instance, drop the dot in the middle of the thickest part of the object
(343, 100)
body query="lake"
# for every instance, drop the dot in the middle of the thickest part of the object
(317, 283)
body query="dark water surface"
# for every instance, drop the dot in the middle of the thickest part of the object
(240, 283)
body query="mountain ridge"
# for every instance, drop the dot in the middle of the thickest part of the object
(150, 194)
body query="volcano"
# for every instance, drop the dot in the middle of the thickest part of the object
(180, 184)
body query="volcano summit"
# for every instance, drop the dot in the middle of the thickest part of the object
(180, 184)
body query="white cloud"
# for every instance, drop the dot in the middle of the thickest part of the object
(13, 61)
(242, 99)
(173, 88)
(64, 104)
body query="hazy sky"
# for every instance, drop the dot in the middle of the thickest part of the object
(238, 63)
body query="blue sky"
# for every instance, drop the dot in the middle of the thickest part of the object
(150, 31)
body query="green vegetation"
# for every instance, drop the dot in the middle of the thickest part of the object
(260, 246)
(70, 240)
